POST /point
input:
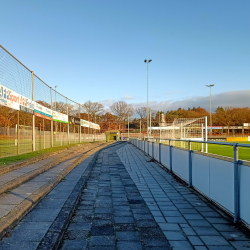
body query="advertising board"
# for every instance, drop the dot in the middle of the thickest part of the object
(42, 112)
(84, 123)
(13, 100)
(59, 117)
(74, 120)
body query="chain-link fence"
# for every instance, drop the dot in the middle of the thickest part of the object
(34, 116)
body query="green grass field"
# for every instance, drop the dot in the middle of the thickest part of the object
(224, 150)
(12, 159)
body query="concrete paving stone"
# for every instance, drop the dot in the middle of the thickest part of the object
(206, 231)
(155, 242)
(12, 199)
(121, 208)
(76, 234)
(26, 235)
(193, 217)
(180, 205)
(200, 247)
(175, 219)
(102, 240)
(128, 236)
(204, 209)
(29, 226)
(221, 248)
(174, 235)
(168, 208)
(125, 220)
(235, 236)
(143, 217)
(169, 227)
(184, 225)
(154, 208)
(124, 245)
(51, 203)
(141, 211)
(103, 217)
(224, 227)
(210, 214)
(102, 230)
(27, 245)
(159, 219)
(146, 223)
(188, 231)
(5, 209)
(180, 245)
(241, 245)
(74, 245)
(40, 214)
(188, 211)
(103, 210)
(217, 220)
(79, 226)
(195, 240)
(196, 223)
(172, 213)
(122, 213)
(151, 232)
(214, 240)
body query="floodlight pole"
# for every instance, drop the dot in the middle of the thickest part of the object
(147, 62)
(211, 85)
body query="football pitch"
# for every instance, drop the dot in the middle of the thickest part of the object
(223, 150)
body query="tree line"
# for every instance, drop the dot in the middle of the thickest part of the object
(120, 112)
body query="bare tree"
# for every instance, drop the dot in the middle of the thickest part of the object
(142, 112)
(93, 108)
(122, 110)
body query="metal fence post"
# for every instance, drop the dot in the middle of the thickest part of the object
(80, 128)
(51, 134)
(190, 164)
(170, 156)
(68, 121)
(43, 135)
(18, 132)
(160, 152)
(153, 150)
(33, 117)
(236, 183)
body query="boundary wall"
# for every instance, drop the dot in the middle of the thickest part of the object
(223, 180)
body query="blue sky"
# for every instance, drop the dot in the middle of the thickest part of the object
(94, 50)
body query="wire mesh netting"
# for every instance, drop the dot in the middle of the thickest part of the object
(30, 124)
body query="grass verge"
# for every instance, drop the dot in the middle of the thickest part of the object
(13, 159)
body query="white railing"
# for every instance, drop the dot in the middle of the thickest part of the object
(224, 180)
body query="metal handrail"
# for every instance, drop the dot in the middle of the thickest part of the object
(209, 142)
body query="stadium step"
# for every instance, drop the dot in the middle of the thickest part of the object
(25, 187)
(14, 178)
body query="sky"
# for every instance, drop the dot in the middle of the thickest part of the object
(95, 50)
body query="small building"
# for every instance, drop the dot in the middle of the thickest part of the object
(112, 135)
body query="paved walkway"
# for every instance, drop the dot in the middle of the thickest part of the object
(112, 214)
(129, 203)
(188, 221)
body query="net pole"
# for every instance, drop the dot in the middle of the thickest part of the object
(80, 128)
(33, 117)
(206, 133)
(67, 115)
(43, 135)
(51, 132)
(202, 137)
(18, 132)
